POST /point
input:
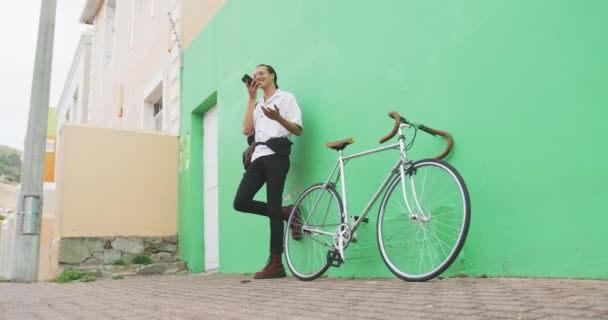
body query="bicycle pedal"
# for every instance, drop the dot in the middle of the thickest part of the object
(366, 220)
(333, 258)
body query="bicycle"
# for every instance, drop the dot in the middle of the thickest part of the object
(422, 223)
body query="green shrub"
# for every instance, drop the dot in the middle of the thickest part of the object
(119, 262)
(141, 260)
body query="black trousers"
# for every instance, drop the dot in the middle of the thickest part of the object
(271, 170)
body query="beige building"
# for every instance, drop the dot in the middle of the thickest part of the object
(126, 70)
(134, 71)
(136, 59)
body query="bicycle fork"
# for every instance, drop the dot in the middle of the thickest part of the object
(404, 171)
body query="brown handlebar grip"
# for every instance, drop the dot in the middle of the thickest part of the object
(397, 118)
(444, 134)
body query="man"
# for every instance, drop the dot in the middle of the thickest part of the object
(272, 118)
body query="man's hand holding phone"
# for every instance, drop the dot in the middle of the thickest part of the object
(252, 86)
(247, 79)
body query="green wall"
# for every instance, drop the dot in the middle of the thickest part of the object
(520, 84)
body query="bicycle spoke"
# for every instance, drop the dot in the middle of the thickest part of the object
(440, 242)
(456, 228)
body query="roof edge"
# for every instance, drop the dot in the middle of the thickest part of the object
(89, 11)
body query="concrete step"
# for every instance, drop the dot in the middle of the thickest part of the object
(105, 271)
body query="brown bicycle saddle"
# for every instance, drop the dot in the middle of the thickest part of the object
(340, 144)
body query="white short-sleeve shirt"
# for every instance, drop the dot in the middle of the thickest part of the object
(265, 128)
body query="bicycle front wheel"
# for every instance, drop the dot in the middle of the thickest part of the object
(421, 229)
(320, 210)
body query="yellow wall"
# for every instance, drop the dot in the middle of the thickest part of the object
(116, 183)
(49, 159)
(109, 183)
(196, 14)
(48, 254)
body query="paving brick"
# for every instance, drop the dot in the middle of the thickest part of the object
(454, 311)
(514, 308)
(568, 317)
(512, 315)
(20, 316)
(600, 308)
(210, 297)
(568, 312)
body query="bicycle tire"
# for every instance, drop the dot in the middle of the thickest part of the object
(442, 228)
(307, 257)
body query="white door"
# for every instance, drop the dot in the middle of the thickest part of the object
(210, 189)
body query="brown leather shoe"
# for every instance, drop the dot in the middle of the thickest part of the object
(295, 224)
(274, 268)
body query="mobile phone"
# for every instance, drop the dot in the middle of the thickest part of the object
(247, 79)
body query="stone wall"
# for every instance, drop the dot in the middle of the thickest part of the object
(105, 251)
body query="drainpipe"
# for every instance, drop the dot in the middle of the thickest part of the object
(29, 203)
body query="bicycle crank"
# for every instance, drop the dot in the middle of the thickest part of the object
(342, 239)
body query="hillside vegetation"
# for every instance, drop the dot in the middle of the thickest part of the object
(10, 165)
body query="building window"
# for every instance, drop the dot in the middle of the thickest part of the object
(75, 107)
(152, 107)
(50, 146)
(110, 29)
(158, 115)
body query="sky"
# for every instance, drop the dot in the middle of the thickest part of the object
(18, 31)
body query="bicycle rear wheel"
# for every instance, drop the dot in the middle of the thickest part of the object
(418, 240)
(321, 213)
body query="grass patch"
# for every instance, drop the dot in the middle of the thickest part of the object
(4, 280)
(88, 279)
(119, 262)
(68, 276)
(142, 260)
(118, 277)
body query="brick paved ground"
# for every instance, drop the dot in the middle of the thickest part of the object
(201, 296)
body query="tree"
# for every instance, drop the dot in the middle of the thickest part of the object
(10, 164)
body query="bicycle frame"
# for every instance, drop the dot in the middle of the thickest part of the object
(401, 166)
